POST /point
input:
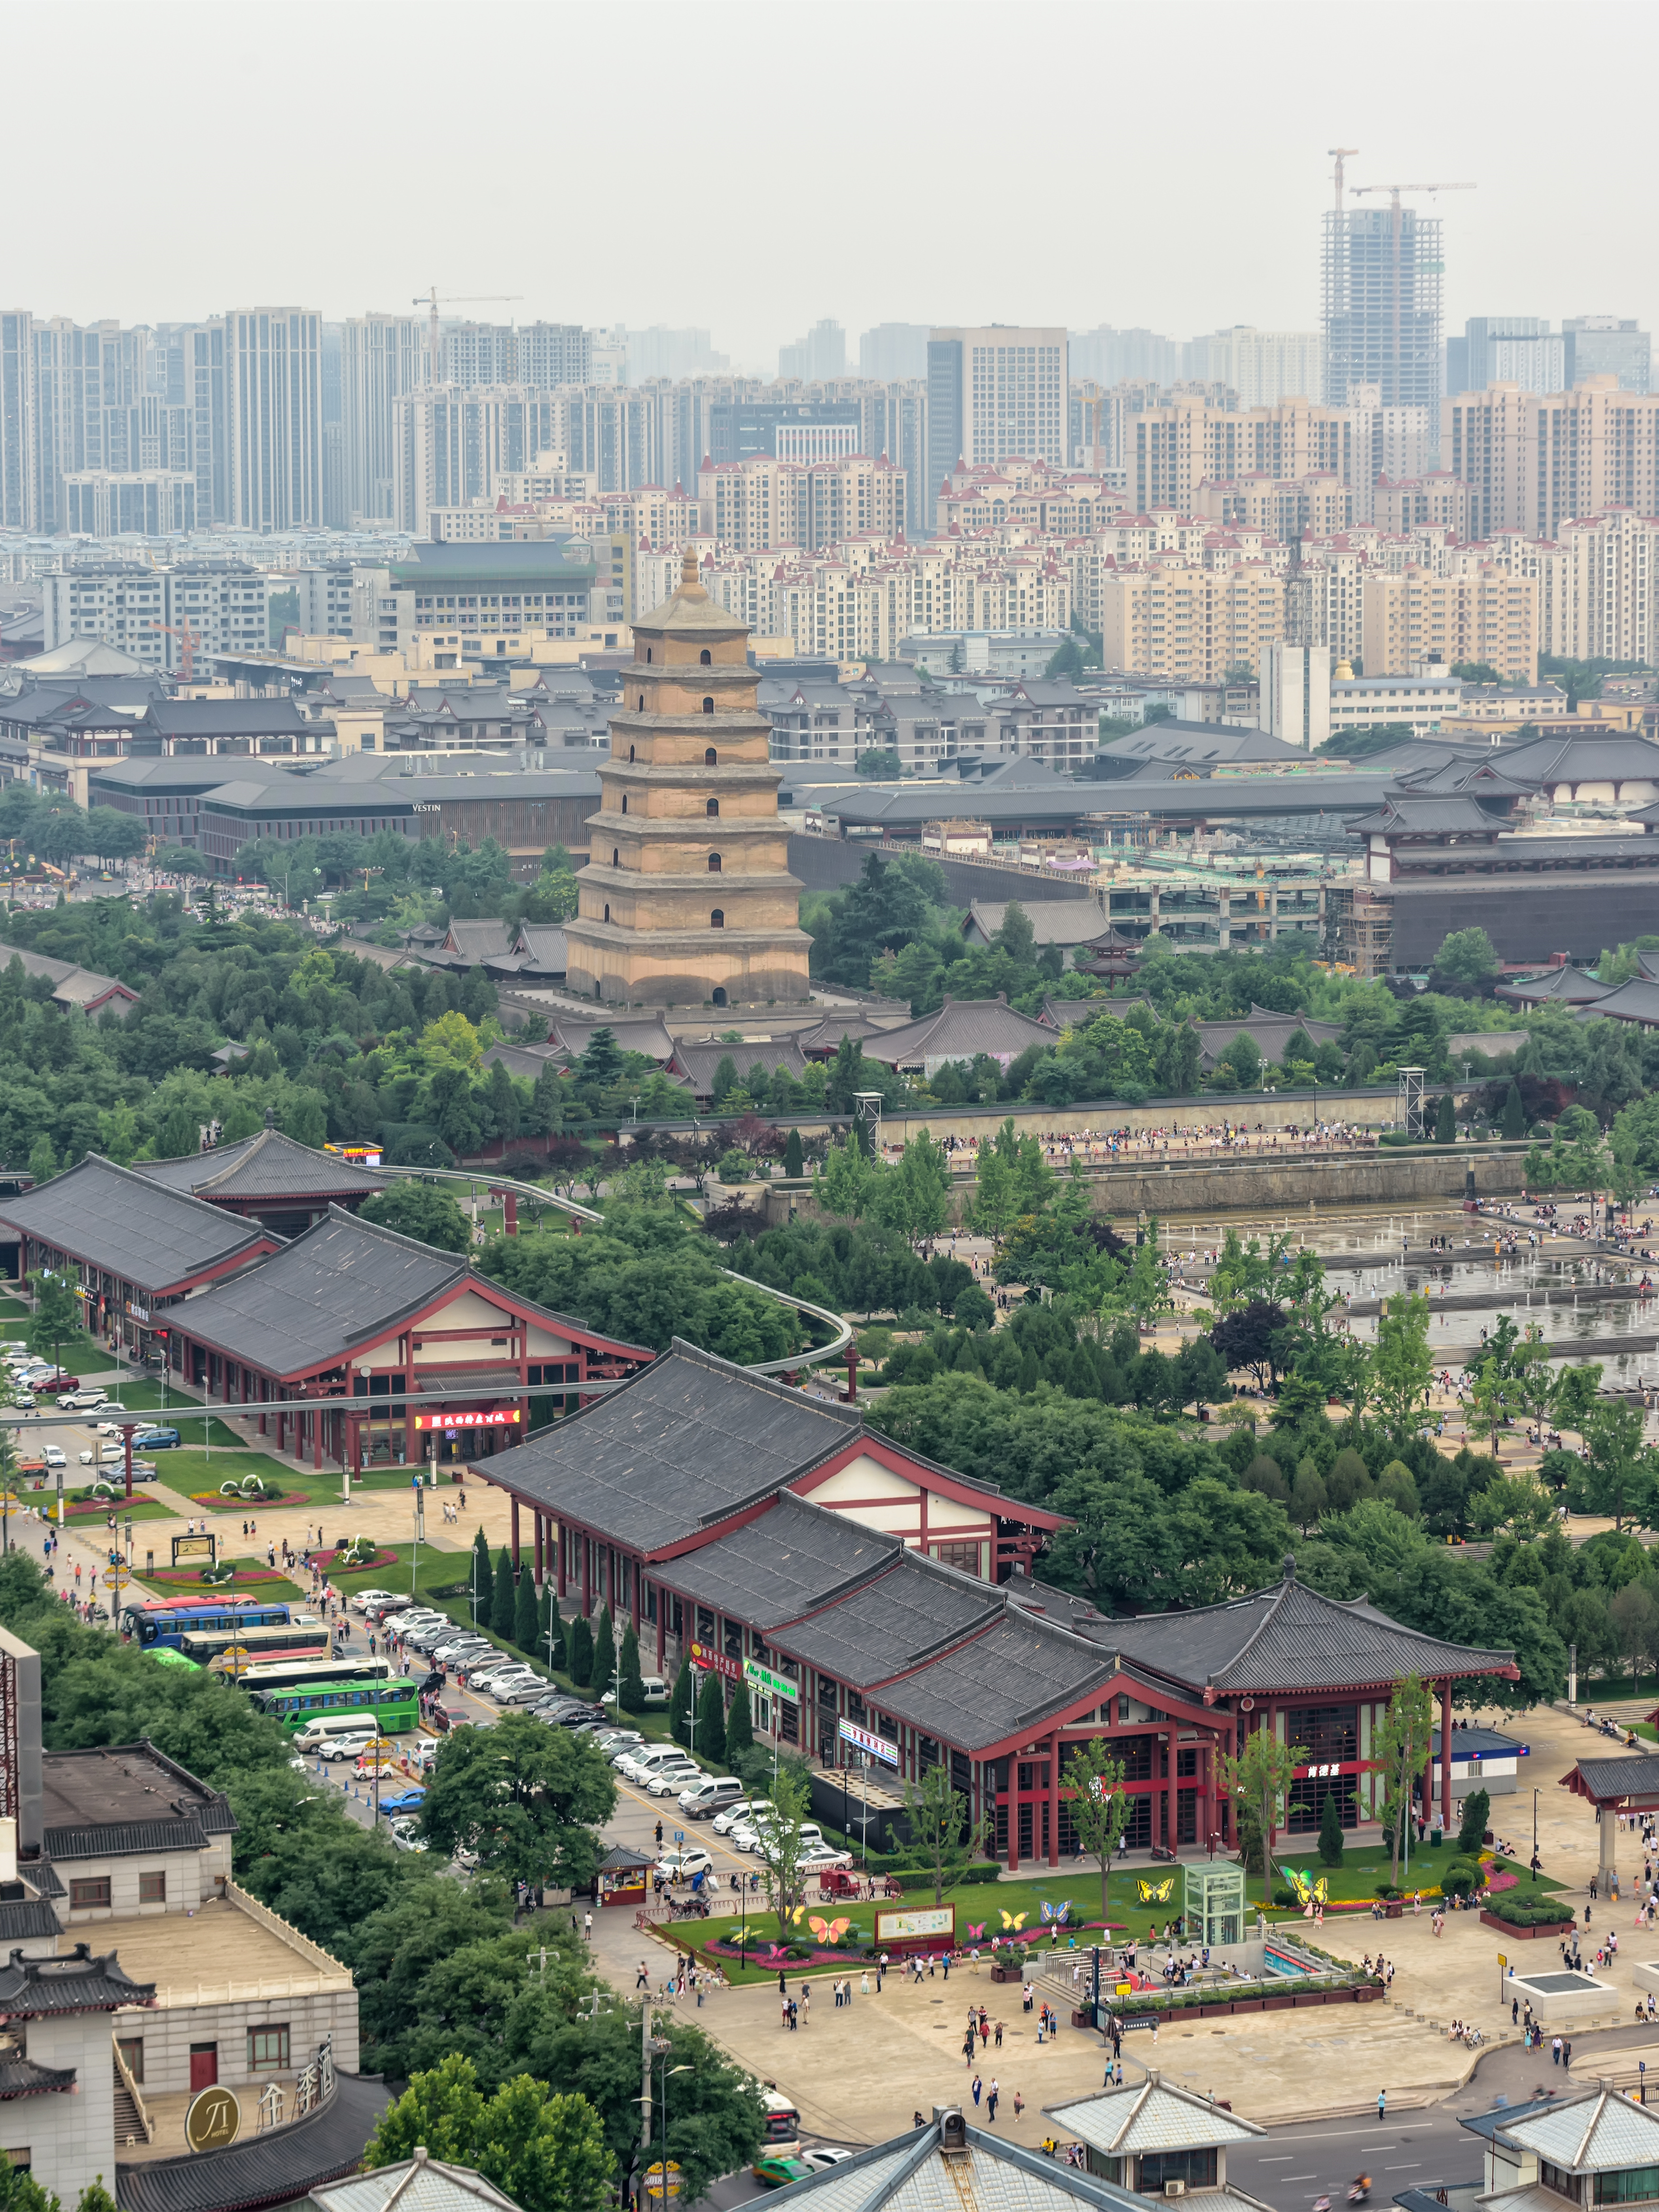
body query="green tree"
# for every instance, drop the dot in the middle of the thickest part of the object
(56, 1315)
(880, 761)
(424, 1211)
(526, 1614)
(1403, 1751)
(1622, 1475)
(527, 1798)
(709, 1741)
(1259, 1780)
(1402, 1364)
(580, 1648)
(545, 2152)
(1445, 1120)
(1635, 1617)
(794, 1163)
(1514, 1114)
(1013, 1179)
(780, 1848)
(43, 1159)
(739, 1727)
(1472, 1830)
(679, 1704)
(503, 1603)
(1468, 956)
(913, 1197)
(603, 1667)
(940, 1830)
(1100, 1808)
(1330, 1832)
(631, 1693)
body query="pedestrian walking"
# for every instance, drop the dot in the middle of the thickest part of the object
(1566, 2054)
(991, 2096)
(1555, 2050)
(1382, 2104)
(976, 2089)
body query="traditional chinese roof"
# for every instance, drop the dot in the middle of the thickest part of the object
(416, 2185)
(275, 2167)
(1597, 2133)
(131, 1227)
(962, 1029)
(1634, 1774)
(925, 2171)
(1566, 987)
(19, 2077)
(267, 1164)
(1454, 815)
(1151, 2116)
(1290, 1637)
(32, 1988)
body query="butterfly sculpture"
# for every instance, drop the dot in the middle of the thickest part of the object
(1155, 1893)
(1015, 1920)
(794, 1917)
(828, 1932)
(1057, 1915)
(1308, 1890)
(976, 1934)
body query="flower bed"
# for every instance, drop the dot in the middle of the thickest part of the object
(192, 1578)
(85, 1509)
(217, 1504)
(377, 1560)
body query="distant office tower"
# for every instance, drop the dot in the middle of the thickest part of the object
(17, 419)
(273, 380)
(1506, 349)
(1601, 345)
(381, 358)
(1263, 366)
(821, 353)
(87, 382)
(334, 491)
(207, 397)
(1381, 287)
(453, 441)
(1109, 356)
(1296, 693)
(539, 353)
(992, 393)
(784, 429)
(662, 352)
(894, 353)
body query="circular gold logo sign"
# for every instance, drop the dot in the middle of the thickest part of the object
(214, 2119)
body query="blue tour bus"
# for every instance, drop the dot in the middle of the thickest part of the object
(170, 1621)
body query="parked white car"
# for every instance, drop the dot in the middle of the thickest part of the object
(734, 1817)
(669, 1781)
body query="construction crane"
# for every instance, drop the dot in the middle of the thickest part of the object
(188, 639)
(1394, 191)
(1338, 152)
(456, 300)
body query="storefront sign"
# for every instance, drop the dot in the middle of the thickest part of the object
(137, 1313)
(862, 1739)
(705, 1656)
(213, 2119)
(507, 1420)
(769, 1679)
(918, 1925)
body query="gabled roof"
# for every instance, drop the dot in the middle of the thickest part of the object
(910, 1612)
(71, 984)
(1290, 1637)
(1005, 1682)
(827, 1037)
(793, 1559)
(1599, 756)
(1078, 1013)
(543, 946)
(1152, 2115)
(343, 1283)
(1566, 985)
(276, 2166)
(1451, 815)
(1594, 2134)
(647, 1038)
(1271, 1031)
(1633, 1774)
(1062, 921)
(267, 1164)
(475, 941)
(1637, 1000)
(699, 1063)
(129, 1226)
(683, 1444)
(214, 718)
(36, 1988)
(914, 2172)
(961, 1029)
(415, 2185)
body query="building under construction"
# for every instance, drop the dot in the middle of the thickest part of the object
(1380, 289)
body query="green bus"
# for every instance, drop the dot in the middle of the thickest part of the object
(392, 1705)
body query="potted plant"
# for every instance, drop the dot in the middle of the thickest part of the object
(1006, 1965)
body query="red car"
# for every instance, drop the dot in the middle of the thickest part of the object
(57, 1381)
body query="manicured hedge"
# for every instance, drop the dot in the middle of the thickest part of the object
(1528, 1912)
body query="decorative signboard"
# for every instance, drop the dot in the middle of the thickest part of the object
(769, 1680)
(920, 1923)
(508, 1418)
(706, 1657)
(862, 1739)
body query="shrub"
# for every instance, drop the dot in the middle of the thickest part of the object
(1472, 1831)
(1460, 1879)
(1529, 1912)
(1330, 1832)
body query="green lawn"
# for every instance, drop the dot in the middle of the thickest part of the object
(76, 1352)
(13, 1310)
(280, 1589)
(187, 1472)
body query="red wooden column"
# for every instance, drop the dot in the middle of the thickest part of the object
(1054, 1798)
(561, 1541)
(1445, 1750)
(635, 1568)
(541, 1575)
(515, 1535)
(662, 1627)
(1013, 1815)
(587, 1560)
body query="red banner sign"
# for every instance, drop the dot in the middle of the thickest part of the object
(703, 1655)
(508, 1419)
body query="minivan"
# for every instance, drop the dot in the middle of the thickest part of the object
(709, 1797)
(655, 1688)
(331, 1732)
(644, 1763)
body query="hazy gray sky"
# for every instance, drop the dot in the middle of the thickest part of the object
(751, 167)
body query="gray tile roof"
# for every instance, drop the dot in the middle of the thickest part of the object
(267, 1164)
(1002, 1683)
(1565, 986)
(897, 1622)
(1054, 920)
(211, 718)
(1594, 2134)
(1291, 1638)
(112, 1219)
(914, 2173)
(72, 986)
(649, 1037)
(273, 2168)
(307, 1303)
(21, 2077)
(1152, 2115)
(794, 1557)
(1637, 1000)
(961, 1028)
(1271, 1031)
(1599, 756)
(544, 947)
(480, 940)
(688, 1441)
(110, 1786)
(1633, 1774)
(699, 1063)
(416, 2185)
(124, 1839)
(1455, 815)
(1078, 1013)
(32, 1988)
(26, 1920)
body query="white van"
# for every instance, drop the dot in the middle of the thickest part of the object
(642, 1764)
(337, 1736)
(707, 1795)
(656, 1690)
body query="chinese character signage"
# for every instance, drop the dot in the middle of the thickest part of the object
(769, 1679)
(863, 1740)
(508, 1418)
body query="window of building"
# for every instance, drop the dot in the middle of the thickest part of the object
(717, 919)
(1631, 2185)
(714, 864)
(88, 1895)
(706, 658)
(268, 2048)
(963, 1555)
(708, 706)
(152, 1889)
(710, 759)
(713, 807)
(131, 2048)
(607, 913)
(1195, 2167)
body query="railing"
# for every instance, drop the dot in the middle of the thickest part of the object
(324, 1961)
(124, 2074)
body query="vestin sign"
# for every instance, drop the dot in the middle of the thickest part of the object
(861, 1739)
(768, 1679)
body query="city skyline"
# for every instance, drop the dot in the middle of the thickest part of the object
(1517, 246)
